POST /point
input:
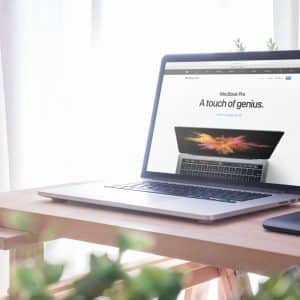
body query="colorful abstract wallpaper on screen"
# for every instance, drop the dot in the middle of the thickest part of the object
(227, 142)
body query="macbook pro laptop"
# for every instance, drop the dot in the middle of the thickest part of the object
(216, 153)
(225, 110)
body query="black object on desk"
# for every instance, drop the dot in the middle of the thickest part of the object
(289, 223)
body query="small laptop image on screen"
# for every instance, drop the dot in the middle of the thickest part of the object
(225, 153)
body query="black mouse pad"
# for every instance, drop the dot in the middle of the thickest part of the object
(289, 223)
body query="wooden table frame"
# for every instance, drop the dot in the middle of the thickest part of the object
(239, 243)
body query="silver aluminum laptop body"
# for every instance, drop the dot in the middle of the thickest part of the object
(196, 209)
(203, 210)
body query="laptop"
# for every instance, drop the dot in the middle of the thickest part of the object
(217, 153)
(235, 112)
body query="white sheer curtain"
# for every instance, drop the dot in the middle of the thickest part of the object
(4, 170)
(286, 23)
(45, 110)
(45, 48)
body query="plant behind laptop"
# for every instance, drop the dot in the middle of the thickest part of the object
(240, 46)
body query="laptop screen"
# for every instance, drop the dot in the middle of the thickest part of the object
(213, 114)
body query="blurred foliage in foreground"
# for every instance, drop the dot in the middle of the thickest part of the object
(281, 287)
(107, 277)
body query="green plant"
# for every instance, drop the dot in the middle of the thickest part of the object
(271, 45)
(106, 277)
(239, 45)
(281, 287)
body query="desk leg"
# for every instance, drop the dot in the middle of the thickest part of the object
(198, 292)
(21, 254)
(233, 285)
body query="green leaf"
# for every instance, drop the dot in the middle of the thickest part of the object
(131, 240)
(103, 274)
(44, 295)
(280, 287)
(20, 221)
(28, 279)
(152, 283)
(33, 280)
(167, 283)
(52, 272)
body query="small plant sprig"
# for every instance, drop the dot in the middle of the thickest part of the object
(271, 45)
(239, 45)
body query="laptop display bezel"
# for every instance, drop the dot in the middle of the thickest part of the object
(231, 56)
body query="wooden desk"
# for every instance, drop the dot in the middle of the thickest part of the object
(239, 243)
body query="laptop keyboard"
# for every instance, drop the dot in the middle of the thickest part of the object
(221, 170)
(190, 191)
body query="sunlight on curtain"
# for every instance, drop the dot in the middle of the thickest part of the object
(4, 163)
(46, 54)
(4, 174)
(286, 24)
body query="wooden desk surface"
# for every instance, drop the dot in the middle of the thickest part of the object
(239, 243)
